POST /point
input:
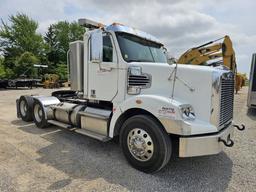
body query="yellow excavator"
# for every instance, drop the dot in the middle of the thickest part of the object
(220, 53)
(51, 81)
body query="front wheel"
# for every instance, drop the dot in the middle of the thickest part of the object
(146, 145)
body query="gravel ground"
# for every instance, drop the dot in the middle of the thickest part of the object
(53, 159)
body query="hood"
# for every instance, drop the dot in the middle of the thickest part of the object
(193, 84)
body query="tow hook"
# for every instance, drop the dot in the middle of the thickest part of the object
(240, 128)
(228, 143)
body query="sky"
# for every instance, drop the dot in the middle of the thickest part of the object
(179, 24)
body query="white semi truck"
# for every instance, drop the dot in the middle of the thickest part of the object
(122, 86)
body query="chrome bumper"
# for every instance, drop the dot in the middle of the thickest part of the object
(205, 145)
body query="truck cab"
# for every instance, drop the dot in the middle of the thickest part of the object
(125, 88)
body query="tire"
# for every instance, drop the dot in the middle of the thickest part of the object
(25, 108)
(64, 93)
(153, 141)
(39, 115)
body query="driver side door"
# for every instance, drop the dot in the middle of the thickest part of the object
(103, 77)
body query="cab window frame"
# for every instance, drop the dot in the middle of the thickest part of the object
(112, 48)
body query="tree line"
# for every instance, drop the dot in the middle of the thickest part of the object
(21, 46)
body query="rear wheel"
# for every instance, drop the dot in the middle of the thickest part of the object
(39, 115)
(146, 145)
(25, 108)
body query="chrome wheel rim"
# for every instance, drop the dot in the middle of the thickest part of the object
(23, 108)
(140, 144)
(38, 113)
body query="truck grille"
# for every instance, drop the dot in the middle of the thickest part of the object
(142, 81)
(227, 98)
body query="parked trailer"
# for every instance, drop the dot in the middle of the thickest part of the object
(251, 101)
(15, 83)
(122, 86)
(29, 83)
(3, 83)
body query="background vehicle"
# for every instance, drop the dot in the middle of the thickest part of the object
(51, 81)
(3, 83)
(122, 86)
(251, 102)
(214, 54)
(23, 80)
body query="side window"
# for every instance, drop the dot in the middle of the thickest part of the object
(107, 49)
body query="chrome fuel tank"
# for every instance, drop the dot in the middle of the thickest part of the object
(68, 113)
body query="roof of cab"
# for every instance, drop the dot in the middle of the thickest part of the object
(116, 27)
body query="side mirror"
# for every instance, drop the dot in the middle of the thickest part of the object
(96, 46)
(170, 58)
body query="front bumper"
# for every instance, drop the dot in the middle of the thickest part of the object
(206, 144)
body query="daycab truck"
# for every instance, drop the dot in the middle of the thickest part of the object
(122, 86)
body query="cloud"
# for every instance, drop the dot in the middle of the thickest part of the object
(180, 24)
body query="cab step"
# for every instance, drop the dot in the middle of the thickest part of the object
(60, 124)
(81, 131)
(93, 135)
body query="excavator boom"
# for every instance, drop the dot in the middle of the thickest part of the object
(219, 53)
(200, 55)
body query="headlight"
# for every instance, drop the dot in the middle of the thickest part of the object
(187, 112)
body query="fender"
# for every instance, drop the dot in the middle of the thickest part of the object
(163, 108)
(46, 101)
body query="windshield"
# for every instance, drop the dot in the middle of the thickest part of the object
(136, 49)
